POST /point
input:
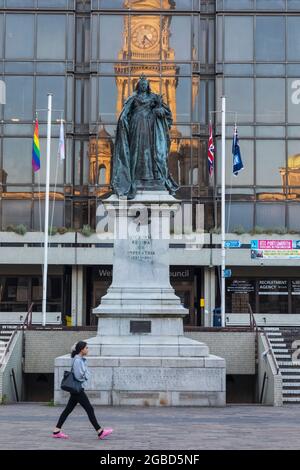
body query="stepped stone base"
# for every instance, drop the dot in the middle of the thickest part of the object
(150, 381)
(140, 355)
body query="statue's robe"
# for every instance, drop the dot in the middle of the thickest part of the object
(142, 145)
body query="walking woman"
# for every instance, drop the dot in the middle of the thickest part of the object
(82, 374)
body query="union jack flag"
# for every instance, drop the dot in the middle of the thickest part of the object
(211, 152)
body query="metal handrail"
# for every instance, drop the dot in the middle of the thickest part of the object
(15, 383)
(263, 387)
(28, 319)
(253, 325)
(270, 350)
(9, 344)
(26, 322)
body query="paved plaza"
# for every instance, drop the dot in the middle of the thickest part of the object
(29, 426)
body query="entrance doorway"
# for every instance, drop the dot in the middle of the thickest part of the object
(186, 282)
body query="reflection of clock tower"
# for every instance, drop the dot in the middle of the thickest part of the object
(146, 42)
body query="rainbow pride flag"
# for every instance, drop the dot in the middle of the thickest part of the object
(36, 162)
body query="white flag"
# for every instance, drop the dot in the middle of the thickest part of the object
(61, 145)
(2, 92)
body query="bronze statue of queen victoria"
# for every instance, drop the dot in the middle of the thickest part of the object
(140, 159)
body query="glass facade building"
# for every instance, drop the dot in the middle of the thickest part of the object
(90, 54)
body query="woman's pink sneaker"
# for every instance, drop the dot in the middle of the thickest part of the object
(60, 435)
(105, 433)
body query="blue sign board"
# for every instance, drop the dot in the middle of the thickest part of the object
(232, 244)
(227, 272)
(254, 244)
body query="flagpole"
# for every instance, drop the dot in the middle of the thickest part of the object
(45, 273)
(223, 251)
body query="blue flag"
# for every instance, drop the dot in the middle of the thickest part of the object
(236, 154)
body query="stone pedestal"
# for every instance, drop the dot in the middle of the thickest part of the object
(140, 355)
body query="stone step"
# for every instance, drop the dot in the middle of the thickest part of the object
(273, 334)
(269, 328)
(274, 340)
(282, 356)
(290, 399)
(288, 363)
(290, 384)
(280, 350)
(290, 377)
(291, 392)
(291, 369)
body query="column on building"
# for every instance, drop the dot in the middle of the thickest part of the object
(209, 295)
(77, 296)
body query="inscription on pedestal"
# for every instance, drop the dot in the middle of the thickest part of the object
(140, 326)
(140, 249)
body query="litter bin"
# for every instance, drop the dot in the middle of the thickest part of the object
(217, 317)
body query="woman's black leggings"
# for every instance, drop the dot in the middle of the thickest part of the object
(85, 403)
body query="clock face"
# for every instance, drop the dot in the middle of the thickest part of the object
(145, 36)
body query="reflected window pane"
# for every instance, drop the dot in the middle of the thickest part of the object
(99, 156)
(180, 37)
(1, 33)
(239, 215)
(293, 94)
(293, 5)
(293, 166)
(240, 27)
(270, 4)
(239, 92)
(56, 166)
(39, 214)
(19, 36)
(270, 100)
(270, 38)
(19, 98)
(238, 4)
(270, 162)
(245, 177)
(110, 98)
(180, 4)
(20, 3)
(293, 37)
(17, 160)
(51, 36)
(111, 44)
(53, 3)
(183, 99)
(115, 5)
(270, 215)
(16, 212)
(294, 216)
(55, 85)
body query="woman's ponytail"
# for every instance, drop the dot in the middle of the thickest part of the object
(77, 348)
(73, 353)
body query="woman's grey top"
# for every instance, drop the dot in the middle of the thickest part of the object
(80, 370)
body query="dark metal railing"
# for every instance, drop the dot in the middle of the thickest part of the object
(28, 319)
(263, 388)
(15, 384)
(254, 327)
